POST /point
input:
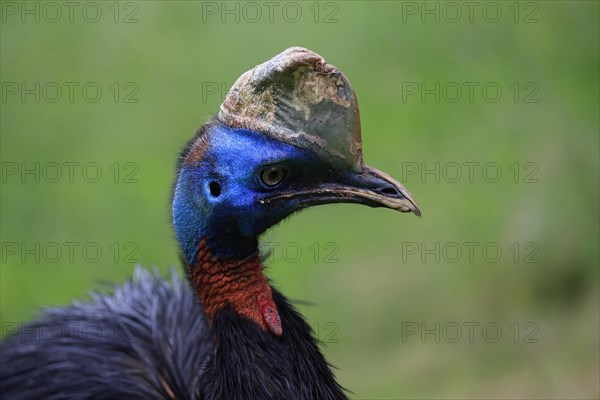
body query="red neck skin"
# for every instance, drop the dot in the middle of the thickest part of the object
(239, 284)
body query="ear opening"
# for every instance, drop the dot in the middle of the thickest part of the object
(215, 188)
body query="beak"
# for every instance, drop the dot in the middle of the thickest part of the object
(370, 187)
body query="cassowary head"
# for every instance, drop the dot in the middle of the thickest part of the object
(287, 137)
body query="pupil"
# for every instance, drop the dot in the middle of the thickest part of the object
(271, 176)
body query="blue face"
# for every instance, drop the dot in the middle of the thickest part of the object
(233, 184)
(219, 197)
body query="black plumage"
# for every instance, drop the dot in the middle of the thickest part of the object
(134, 343)
(149, 340)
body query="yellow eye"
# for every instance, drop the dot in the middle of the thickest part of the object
(273, 175)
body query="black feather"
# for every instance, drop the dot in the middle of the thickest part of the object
(149, 340)
(287, 367)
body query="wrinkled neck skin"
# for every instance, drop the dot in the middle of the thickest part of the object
(236, 284)
(263, 348)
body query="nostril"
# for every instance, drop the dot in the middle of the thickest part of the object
(389, 191)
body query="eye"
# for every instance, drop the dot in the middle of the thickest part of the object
(272, 175)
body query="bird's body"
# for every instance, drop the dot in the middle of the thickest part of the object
(150, 340)
(287, 138)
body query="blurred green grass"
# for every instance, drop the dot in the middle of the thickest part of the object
(375, 289)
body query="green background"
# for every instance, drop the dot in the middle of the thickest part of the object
(543, 139)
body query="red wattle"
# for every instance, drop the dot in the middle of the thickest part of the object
(239, 284)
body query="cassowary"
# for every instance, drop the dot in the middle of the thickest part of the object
(287, 137)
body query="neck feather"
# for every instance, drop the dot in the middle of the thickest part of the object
(239, 284)
(249, 363)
